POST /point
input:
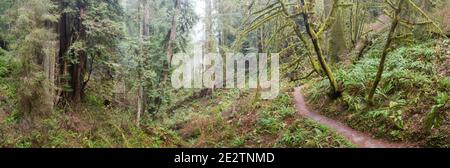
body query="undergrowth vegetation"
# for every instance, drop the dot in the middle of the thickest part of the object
(411, 103)
(240, 120)
(91, 127)
(119, 73)
(227, 118)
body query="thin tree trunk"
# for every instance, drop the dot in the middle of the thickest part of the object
(172, 34)
(315, 65)
(366, 42)
(49, 71)
(299, 34)
(387, 46)
(315, 41)
(53, 74)
(144, 32)
(170, 44)
(209, 27)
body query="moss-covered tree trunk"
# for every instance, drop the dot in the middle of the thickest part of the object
(171, 43)
(318, 49)
(394, 25)
(144, 32)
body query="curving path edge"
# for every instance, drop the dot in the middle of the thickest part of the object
(361, 140)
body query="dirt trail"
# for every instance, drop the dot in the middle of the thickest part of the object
(359, 139)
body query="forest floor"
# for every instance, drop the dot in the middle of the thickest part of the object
(361, 140)
(411, 104)
(411, 90)
(227, 118)
(234, 119)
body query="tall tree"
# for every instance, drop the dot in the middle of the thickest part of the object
(394, 24)
(31, 27)
(317, 47)
(171, 37)
(88, 33)
(397, 19)
(144, 24)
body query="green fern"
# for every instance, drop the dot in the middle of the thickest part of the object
(435, 118)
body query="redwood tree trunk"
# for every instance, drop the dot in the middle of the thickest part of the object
(79, 69)
(71, 29)
(65, 37)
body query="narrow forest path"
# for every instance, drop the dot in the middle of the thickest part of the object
(359, 139)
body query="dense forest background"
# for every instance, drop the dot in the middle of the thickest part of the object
(96, 73)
